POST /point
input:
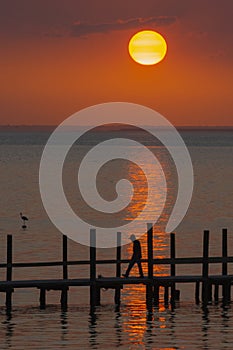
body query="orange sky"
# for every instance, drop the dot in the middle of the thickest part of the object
(58, 57)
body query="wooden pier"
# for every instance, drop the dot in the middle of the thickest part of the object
(208, 283)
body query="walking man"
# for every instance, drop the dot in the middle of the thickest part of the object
(136, 257)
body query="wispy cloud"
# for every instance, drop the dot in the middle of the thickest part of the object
(84, 28)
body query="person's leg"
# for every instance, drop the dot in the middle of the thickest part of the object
(131, 264)
(140, 268)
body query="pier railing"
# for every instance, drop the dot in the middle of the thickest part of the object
(152, 281)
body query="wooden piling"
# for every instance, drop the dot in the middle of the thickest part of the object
(149, 286)
(9, 272)
(118, 269)
(210, 285)
(228, 291)
(93, 291)
(205, 268)
(226, 287)
(42, 298)
(173, 266)
(197, 292)
(98, 296)
(9, 258)
(166, 295)
(64, 298)
(224, 251)
(64, 291)
(156, 294)
(216, 292)
(65, 257)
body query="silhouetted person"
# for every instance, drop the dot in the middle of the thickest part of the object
(136, 257)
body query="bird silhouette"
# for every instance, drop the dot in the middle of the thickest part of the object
(24, 218)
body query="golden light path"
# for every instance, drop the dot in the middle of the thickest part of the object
(147, 47)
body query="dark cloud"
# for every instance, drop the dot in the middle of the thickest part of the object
(84, 28)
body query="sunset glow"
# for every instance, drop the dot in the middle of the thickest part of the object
(78, 56)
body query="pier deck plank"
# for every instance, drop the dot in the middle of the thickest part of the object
(109, 281)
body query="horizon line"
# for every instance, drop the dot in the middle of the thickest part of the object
(56, 125)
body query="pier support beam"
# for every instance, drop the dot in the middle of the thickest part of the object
(156, 294)
(210, 292)
(226, 291)
(64, 298)
(205, 269)
(173, 266)
(226, 286)
(8, 302)
(93, 289)
(197, 292)
(42, 298)
(149, 297)
(216, 293)
(166, 295)
(98, 296)
(64, 291)
(117, 297)
(9, 273)
(149, 286)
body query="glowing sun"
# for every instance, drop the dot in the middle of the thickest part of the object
(147, 47)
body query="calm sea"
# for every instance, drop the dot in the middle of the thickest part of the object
(186, 327)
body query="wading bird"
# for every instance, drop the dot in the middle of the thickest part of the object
(24, 218)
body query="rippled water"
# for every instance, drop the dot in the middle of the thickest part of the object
(186, 327)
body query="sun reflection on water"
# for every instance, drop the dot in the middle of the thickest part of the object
(134, 296)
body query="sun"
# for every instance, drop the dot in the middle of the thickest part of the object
(147, 47)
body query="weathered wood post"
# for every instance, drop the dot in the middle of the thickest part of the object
(118, 269)
(197, 292)
(156, 293)
(226, 287)
(216, 292)
(9, 291)
(42, 298)
(149, 286)
(224, 251)
(205, 268)
(98, 296)
(64, 257)
(173, 266)
(93, 294)
(64, 292)
(166, 295)
(156, 288)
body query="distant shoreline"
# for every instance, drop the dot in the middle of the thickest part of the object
(50, 128)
